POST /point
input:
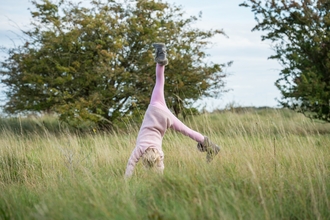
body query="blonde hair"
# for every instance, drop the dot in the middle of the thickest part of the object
(151, 157)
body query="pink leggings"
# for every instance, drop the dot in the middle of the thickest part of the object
(158, 100)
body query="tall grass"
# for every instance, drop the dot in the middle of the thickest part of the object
(273, 165)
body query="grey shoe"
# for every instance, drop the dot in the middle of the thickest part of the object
(160, 55)
(209, 147)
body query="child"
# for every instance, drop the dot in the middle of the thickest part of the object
(157, 119)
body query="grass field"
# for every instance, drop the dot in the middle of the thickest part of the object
(274, 164)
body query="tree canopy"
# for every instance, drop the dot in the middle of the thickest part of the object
(95, 63)
(300, 31)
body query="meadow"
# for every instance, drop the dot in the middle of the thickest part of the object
(273, 164)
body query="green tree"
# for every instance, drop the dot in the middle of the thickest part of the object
(95, 63)
(300, 31)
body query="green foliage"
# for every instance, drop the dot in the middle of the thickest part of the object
(301, 33)
(95, 64)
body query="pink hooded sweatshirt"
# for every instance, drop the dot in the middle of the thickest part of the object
(155, 123)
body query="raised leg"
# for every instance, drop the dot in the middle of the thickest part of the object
(182, 128)
(158, 91)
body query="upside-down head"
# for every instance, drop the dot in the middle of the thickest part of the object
(151, 158)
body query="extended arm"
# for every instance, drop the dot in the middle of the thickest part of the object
(132, 161)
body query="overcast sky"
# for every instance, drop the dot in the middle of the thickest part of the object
(252, 75)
